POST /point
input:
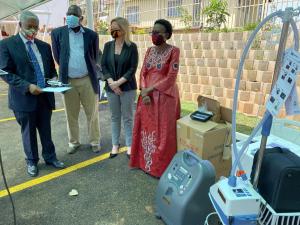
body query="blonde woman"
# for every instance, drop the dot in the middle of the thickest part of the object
(119, 63)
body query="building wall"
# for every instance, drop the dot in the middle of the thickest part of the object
(150, 10)
(244, 12)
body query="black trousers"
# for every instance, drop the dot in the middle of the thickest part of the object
(30, 122)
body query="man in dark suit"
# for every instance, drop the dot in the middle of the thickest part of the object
(76, 49)
(29, 63)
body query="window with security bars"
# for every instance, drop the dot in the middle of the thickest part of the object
(173, 10)
(196, 13)
(132, 14)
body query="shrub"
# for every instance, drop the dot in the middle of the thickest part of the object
(216, 13)
(185, 17)
(101, 27)
(250, 26)
(137, 30)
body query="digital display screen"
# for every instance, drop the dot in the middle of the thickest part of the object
(238, 191)
(179, 176)
(184, 171)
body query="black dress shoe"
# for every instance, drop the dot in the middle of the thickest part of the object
(32, 170)
(57, 164)
(113, 155)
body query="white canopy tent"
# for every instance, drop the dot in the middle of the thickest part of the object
(14, 7)
(10, 8)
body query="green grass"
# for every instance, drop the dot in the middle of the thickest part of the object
(245, 124)
(187, 108)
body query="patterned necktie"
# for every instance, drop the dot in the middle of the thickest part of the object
(37, 69)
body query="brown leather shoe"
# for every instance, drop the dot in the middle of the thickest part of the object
(73, 149)
(95, 148)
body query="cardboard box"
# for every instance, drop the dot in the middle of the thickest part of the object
(207, 139)
(222, 166)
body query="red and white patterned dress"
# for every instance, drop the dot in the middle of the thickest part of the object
(154, 133)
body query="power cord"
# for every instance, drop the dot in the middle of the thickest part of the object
(6, 186)
(208, 216)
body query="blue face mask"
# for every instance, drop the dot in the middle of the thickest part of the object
(72, 21)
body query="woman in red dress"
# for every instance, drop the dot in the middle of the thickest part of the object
(158, 108)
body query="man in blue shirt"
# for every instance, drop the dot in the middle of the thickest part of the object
(76, 49)
(29, 63)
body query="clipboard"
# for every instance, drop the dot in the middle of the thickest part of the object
(56, 89)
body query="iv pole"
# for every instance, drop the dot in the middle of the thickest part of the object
(266, 128)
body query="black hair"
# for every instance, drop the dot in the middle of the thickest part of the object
(76, 8)
(167, 25)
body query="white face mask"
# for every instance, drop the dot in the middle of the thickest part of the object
(29, 34)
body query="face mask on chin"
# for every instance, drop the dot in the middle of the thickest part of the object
(158, 39)
(72, 21)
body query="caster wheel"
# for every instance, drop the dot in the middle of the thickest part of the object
(157, 216)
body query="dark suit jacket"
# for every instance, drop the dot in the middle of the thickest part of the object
(127, 65)
(61, 52)
(14, 59)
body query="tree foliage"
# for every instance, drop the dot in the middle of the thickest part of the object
(216, 13)
(101, 27)
(185, 17)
